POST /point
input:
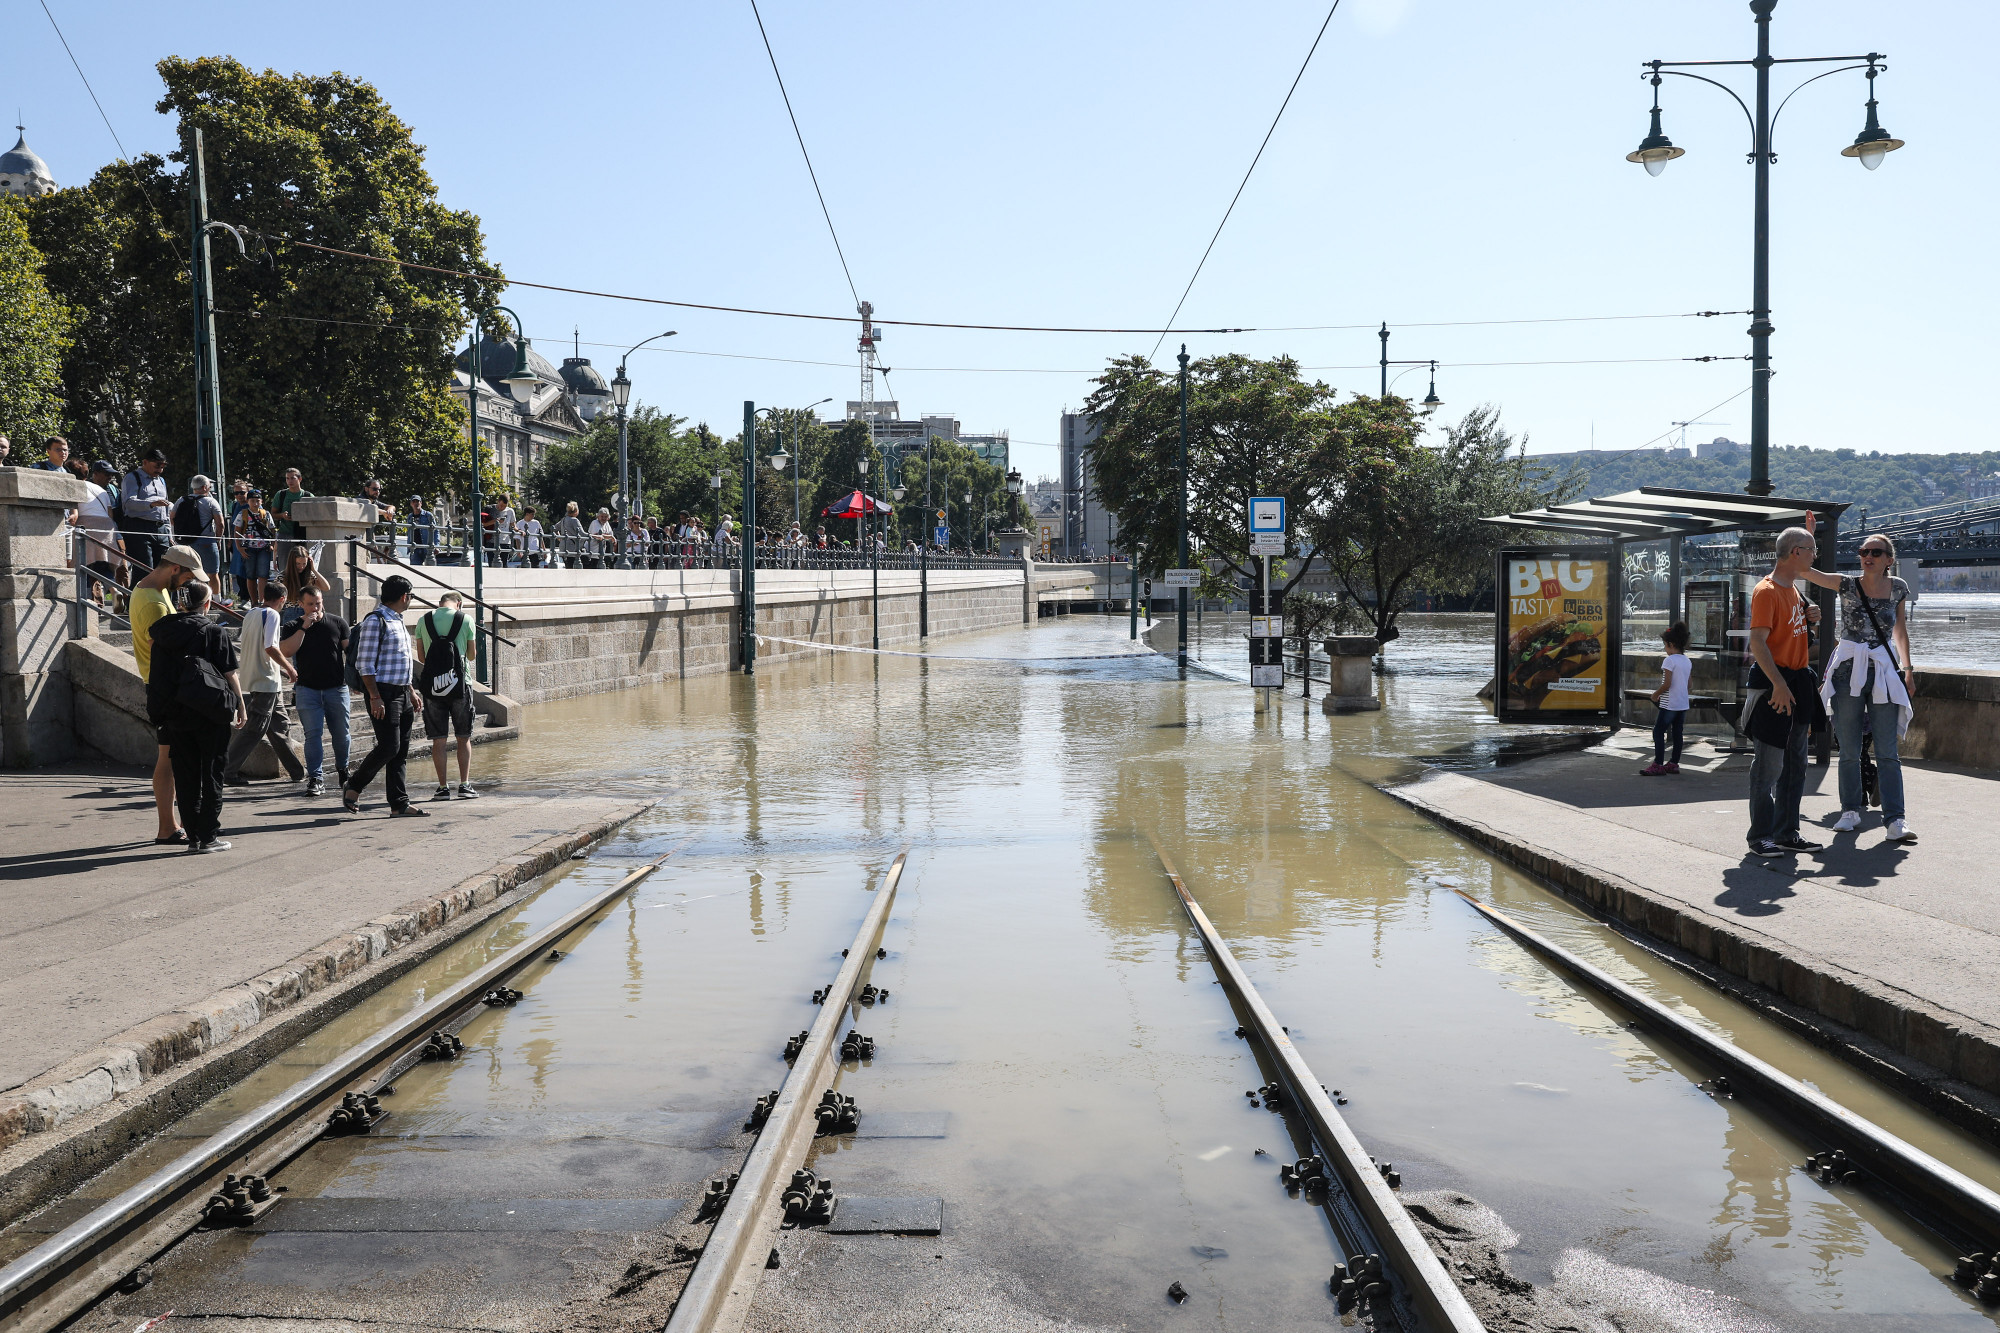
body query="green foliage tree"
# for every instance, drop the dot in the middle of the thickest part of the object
(1406, 514)
(585, 469)
(1254, 428)
(35, 332)
(340, 366)
(953, 471)
(1874, 481)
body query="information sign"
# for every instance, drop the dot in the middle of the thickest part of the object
(943, 535)
(1556, 637)
(1267, 514)
(1267, 677)
(1183, 578)
(1267, 627)
(1267, 652)
(1268, 544)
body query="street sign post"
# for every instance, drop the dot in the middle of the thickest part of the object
(1267, 619)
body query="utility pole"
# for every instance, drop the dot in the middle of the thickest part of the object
(749, 537)
(1180, 477)
(208, 455)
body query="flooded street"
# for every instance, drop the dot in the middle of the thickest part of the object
(1071, 1066)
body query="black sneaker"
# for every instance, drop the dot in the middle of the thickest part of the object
(315, 787)
(443, 793)
(1795, 843)
(212, 845)
(1766, 848)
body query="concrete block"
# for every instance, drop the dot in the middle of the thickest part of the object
(36, 720)
(33, 506)
(32, 635)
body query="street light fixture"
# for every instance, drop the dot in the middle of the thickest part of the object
(621, 394)
(1430, 404)
(1655, 151)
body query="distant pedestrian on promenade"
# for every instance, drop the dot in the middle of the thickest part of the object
(317, 647)
(154, 598)
(256, 533)
(143, 510)
(531, 539)
(290, 534)
(570, 531)
(1870, 681)
(1784, 701)
(265, 672)
(1670, 702)
(98, 517)
(423, 532)
(445, 645)
(194, 698)
(387, 666)
(603, 540)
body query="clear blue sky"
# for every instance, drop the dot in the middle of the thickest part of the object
(1056, 163)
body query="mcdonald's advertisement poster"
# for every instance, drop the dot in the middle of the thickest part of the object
(1555, 635)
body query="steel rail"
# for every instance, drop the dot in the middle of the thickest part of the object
(1418, 1281)
(724, 1281)
(1955, 1206)
(65, 1274)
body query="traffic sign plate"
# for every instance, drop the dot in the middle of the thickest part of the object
(1267, 513)
(1267, 677)
(1271, 543)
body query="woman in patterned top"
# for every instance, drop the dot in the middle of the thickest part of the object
(1870, 674)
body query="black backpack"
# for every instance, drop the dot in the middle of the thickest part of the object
(443, 675)
(201, 690)
(188, 517)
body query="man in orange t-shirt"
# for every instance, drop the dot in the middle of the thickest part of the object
(1780, 643)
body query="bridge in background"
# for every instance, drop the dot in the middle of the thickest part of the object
(1962, 533)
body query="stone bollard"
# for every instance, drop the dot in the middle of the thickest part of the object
(338, 523)
(1352, 687)
(36, 716)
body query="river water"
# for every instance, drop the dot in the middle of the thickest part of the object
(1050, 998)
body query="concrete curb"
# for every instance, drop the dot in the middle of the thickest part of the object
(147, 1052)
(1959, 1048)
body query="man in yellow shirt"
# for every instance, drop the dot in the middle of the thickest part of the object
(153, 598)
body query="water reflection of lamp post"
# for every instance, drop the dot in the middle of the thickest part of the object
(1656, 150)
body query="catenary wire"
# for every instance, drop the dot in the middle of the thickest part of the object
(1266, 143)
(137, 179)
(800, 136)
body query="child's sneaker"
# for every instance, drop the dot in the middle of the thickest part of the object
(1654, 770)
(1849, 821)
(1673, 768)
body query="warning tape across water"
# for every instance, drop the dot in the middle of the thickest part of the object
(950, 657)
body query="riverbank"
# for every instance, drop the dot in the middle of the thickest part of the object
(1890, 947)
(135, 979)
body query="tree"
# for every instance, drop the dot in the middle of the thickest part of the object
(586, 469)
(1406, 514)
(1254, 428)
(34, 333)
(338, 365)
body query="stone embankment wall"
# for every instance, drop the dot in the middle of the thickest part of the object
(585, 631)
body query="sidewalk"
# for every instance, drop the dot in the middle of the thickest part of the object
(119, 959)
(1897, 941)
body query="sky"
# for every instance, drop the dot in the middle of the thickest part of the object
(1443, 165)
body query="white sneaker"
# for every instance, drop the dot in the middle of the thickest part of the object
(1900, 831)
(1849, 821)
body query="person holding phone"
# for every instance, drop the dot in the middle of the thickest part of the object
(317, 650)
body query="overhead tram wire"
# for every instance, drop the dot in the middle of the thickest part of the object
(800, 136)
(137, 179)
(1246, 179)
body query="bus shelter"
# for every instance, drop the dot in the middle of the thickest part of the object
(1563, 654)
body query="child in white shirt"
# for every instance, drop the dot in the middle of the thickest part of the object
(1671, 702)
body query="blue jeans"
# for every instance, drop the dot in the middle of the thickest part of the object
(328, 709)
(1777, 781)
(1668, 724)
(210, 551)
(1882, 722)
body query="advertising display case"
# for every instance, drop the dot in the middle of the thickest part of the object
(1556, 636)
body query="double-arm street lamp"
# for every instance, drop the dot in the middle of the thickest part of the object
(1431, 401)
(779, 458)
(520, 381)
(1869, 148)
(621, 393)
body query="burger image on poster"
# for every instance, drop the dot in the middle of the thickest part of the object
(1556, 609)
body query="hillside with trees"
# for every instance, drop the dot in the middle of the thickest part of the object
(1878, 482)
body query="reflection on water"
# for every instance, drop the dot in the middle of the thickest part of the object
(1049, 995)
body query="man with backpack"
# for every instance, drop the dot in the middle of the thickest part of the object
(197, 522)
(256, 534)
(193, 698)
(445, 642)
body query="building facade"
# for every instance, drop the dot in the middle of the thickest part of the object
(1086, 524)
(520, 427)
(896, 436)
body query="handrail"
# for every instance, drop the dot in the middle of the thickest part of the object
(391, 557)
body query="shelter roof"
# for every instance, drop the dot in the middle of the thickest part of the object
(1653, 512)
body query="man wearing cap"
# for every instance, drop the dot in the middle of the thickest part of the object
(423, 532)
(143, 510)
(197, 522)
(152, 601)
(98, 517)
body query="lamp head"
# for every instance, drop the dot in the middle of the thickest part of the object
(898, 492)
(1656, 149)
(621, 389)
(779, 459)
(864, 467)
(1014, 482)
(1873, 143)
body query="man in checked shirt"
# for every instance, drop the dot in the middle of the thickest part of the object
(387, 665)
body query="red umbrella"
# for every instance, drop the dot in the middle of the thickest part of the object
(854, 504)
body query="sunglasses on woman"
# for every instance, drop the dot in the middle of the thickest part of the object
(1875, 550)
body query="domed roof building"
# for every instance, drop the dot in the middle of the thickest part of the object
(521, 426)
(587, 384)
(22, 170)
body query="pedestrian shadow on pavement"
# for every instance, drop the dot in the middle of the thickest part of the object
(1752, 889)
(1858, 867)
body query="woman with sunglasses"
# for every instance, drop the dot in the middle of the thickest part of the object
(1870, 675)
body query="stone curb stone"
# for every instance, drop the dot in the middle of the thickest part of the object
(143, 1053)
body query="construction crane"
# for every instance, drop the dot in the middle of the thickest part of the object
(1685, 424)
(870, 336)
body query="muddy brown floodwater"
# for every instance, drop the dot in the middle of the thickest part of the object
(1053, 1012)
